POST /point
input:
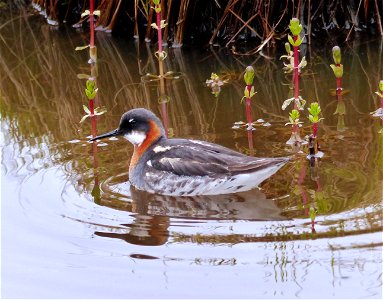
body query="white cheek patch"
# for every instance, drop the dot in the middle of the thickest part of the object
(135, 137)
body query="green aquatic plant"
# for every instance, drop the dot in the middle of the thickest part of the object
(294, 116)
(90, 85)
(248, 94)
(91, 93)
(249, 89)
(293, 64)
(314, 112)
(337, 69)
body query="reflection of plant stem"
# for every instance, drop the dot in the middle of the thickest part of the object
(93, 117)
(302, 175)
(296, 74)
(248, 108)
(96, 189)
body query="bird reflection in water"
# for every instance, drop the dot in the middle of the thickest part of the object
(154, 213)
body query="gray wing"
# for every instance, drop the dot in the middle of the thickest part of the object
(195, 158)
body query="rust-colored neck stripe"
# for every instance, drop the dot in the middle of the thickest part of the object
(153, 135)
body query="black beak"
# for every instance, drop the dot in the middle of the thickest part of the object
(115, 132)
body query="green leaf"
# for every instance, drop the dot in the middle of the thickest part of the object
(287, 47)
(311, 118)
(295, 27)
(336, 54)
(81, 48)
(314, 109)
(298, 42)
(86, 109)
(381, 85)
(338, 70)
(294, 114)
(291, 40)
(90, 84)
(312, 213)
(249, 75)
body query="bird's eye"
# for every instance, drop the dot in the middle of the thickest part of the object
(131, 121)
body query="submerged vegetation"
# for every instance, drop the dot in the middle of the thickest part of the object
(223, 22)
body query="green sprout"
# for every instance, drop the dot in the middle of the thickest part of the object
(295, 27)
(314, 111)
(294, 118)
(338, 67)
(336, 54)
(338, 70)
(249, 91)
(249, 75)
(157, 5)
(91, 90)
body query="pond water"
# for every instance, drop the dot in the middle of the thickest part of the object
(71, 226)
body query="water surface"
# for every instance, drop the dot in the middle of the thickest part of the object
(73, 227)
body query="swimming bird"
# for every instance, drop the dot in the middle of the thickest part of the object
(185, 167)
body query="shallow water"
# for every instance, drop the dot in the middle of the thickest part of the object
(73, 227)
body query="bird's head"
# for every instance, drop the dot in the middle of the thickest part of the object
(137, 125)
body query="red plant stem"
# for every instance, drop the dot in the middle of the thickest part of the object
(296, 74)
(92, 117)
(338, 84)
(159, 32)
(315, 129)
(338, 87)
(91, 22)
